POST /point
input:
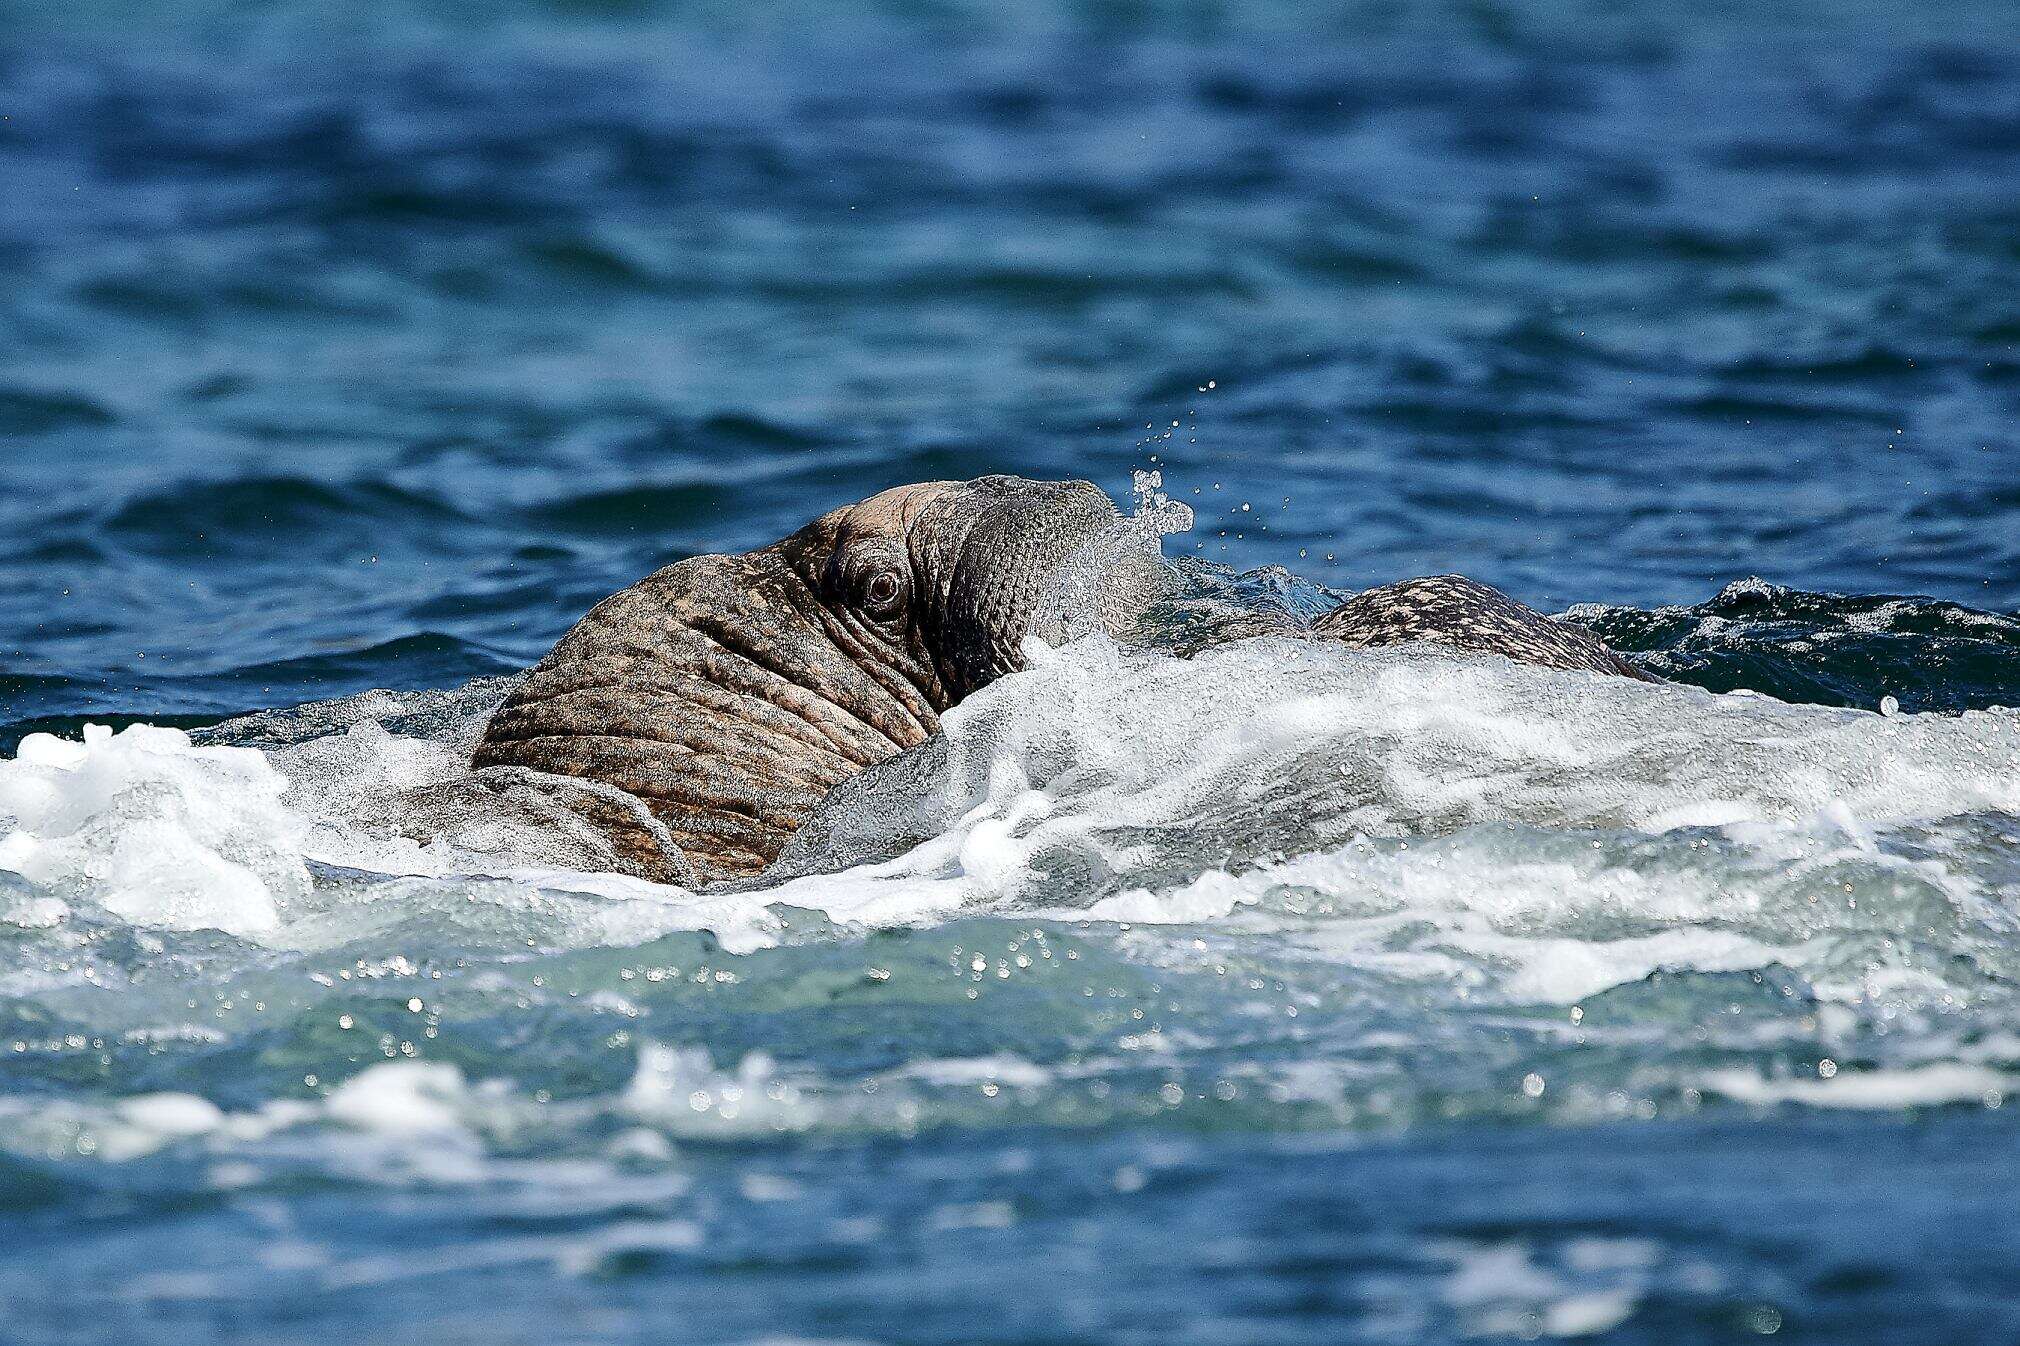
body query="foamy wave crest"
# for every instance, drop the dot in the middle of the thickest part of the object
(153, 830)
(1544, 834)
(1273, 745)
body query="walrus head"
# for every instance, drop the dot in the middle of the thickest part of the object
(731, 693)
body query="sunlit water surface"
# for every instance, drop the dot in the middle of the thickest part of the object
(1274, 994)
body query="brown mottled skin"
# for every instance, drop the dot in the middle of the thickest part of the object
(1467, 615)
(731, 693)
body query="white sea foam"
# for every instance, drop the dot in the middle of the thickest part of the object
(1562, 833)
(401, 1098)
(1003, 1069)
(422, 1120)
(1273, 741)
(1546, 834)
(1499, 1290)
(1870, 1090)
(153, 830)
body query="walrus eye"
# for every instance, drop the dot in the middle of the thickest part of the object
(883, 594)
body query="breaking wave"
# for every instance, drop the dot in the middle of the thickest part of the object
(1327, 880)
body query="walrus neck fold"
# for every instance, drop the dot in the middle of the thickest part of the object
(713, 692)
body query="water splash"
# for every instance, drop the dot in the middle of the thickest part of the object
(1153, 507)
(1116, 576)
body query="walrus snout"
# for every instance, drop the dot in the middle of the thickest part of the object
(999, 544)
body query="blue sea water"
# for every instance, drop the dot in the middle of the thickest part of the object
(354, 348)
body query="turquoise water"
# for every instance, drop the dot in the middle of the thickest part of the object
(1276, 996)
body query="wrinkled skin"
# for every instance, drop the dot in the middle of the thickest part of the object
(730, 694)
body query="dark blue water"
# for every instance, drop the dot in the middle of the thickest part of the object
(368, 350)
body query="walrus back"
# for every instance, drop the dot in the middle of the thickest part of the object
(1463, 614)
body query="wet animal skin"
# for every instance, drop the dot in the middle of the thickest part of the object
(1464, 614)
(728, 695)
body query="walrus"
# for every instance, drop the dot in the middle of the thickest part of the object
(709, 708)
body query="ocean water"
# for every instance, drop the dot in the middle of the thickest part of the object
(1273, 995)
